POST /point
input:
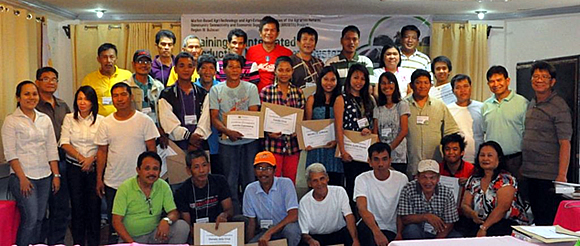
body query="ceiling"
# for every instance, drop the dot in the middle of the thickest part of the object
(442, 10)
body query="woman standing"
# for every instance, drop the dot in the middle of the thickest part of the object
(30, 148)
(77, 139)
(390, 120)
(320, 106)
(283, 92)
(391, 62)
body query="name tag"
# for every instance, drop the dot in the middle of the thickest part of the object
(202, 220)
(362, 122)
(146, 110)
(107, 100)
(265, 224)
(191, 119)
(422, 119)
(386, 131)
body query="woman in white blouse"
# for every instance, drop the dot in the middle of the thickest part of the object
(30, 148)
(77, 139)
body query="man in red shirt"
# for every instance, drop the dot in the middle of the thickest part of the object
(453, 164)
(265, 54)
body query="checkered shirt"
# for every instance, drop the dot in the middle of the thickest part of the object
(441, 204)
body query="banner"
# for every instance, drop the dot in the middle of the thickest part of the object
(376, 30)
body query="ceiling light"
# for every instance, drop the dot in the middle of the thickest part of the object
(100, 13)
(481, 14)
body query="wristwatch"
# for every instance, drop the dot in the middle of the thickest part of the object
(168, 220)
(483, 228)
(57, 175)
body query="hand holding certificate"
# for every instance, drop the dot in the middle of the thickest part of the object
(279, 118)
(245, 122)
(357, 145)
(315, 133)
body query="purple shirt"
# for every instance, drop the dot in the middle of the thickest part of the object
(159, 71)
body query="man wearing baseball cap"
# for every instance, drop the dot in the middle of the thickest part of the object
(271, 202)
(428, 209)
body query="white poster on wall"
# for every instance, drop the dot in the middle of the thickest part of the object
(376, 30)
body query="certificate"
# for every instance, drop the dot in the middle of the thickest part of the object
(453, 184)
(274, 122)
(228, 238)
(316, 139)
(228, 233)
(357, 145)
(247, 125)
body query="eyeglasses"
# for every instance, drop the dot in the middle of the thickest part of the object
(46, 80)
(264, 168)
(148, 200)
(146, 62)
(545, 77)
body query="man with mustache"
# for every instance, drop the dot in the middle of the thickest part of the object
(103, 79)
(411, 57)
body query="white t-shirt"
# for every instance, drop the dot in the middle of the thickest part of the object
(126, 141)
(382, 196)
(469, 121)
(326, 216)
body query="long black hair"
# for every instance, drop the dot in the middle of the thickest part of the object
(396, 94)
(502, 166)
(91, 95)
(319, 97)
(384, 50)
(364, 92)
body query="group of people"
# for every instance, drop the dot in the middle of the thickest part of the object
(106, 147)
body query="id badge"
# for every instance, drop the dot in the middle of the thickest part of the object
(202, 220)
(265, 224)
(362, 122)
(107, 100)
(386, 131)
(422, 120)
(191, 119)
(146, 110)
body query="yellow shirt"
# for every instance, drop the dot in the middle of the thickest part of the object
(173, 76)
(103, 84)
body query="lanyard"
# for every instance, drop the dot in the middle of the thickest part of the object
(206, 199)
(183, 104)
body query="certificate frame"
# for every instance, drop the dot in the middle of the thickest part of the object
(250, 113)
(315, 125)
(281, 111)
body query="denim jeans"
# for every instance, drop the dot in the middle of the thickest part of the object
(237, 161)
(417, 231)
(32, 208)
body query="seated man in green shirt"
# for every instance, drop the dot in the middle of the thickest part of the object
(138, 205)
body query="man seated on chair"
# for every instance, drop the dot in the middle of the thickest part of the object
(139, 203)
(427, 208)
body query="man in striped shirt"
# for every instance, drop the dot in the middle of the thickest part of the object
(411, 57)
(348, 56)
(237, 42)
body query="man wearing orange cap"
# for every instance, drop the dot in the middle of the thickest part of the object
(272, 202)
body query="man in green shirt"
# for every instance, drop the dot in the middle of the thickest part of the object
(139, 203)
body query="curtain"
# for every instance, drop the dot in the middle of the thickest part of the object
(20, 44)
(128, 37)
(466, 46)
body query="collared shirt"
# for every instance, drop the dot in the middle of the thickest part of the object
(342, 64)
(80, 134)
(142, 214)
(470, 122)
(547, 122)
(55, 114)
(159, 71)
(465, 170)
(273, 205)
(31, 142)
(427, 126)
(249, 72)
(272, 94)
(417, 60)
(103, 84)
(305, 72)
(146, 96)
(504, 121)
(442, 202)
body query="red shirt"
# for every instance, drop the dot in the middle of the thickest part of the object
(266, 61)
(464, 171)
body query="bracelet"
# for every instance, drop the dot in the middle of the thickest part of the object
(483, 228)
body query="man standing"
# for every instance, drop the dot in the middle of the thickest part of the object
(377, 193)
(236, 153)
(266, 53)
(237, 42)
(348, 56)
(467, 114)
(430, 120)
(121, 137)
(411, 57)
(163, 62)
(272, 202)
(191, 45)
(546, 145)
(146, 192)
(103, 79)
(145, 89)
(503, 116)
(441, 68)
(58, 204)
(306, 66)
(427, 208)
(325, 216)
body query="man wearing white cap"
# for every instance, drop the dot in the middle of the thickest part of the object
(427, 209)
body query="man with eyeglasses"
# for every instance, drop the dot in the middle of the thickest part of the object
(54, 228)
(546, 144)
(411, 57)
(271, 202)
(139, 203)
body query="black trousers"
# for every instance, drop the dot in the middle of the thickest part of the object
(109, 198)
(86, 206)
(341, 236)
(366, 237)
(543, 200)
(351, 170)
(468, 228)
(55, 225)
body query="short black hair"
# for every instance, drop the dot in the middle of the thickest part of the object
(238, 33)
(443, 59)
(235, 57)
(497, 69)
(379, 147)
(165, 34)
(269, 20)
(454, 138)
(307, 30)
(146, 154)
(105, 47)
(384, 50)
(206, 58)
(541, 65)
(194, 154)
(183, 55)
(420, 73)
(459, 77)
(410, 28)
(351, 28)
(281, 59)
(124, 85)
(502, 166)
(42, 70)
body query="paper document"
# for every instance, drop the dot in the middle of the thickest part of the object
(276, 123)
(247, 125)
(229, 238)
(548, 232)
(358, 151)
(453, 184)
(317, 138)
(164, 153)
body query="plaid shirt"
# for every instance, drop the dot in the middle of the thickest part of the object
(442, 203)
(271, 94)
